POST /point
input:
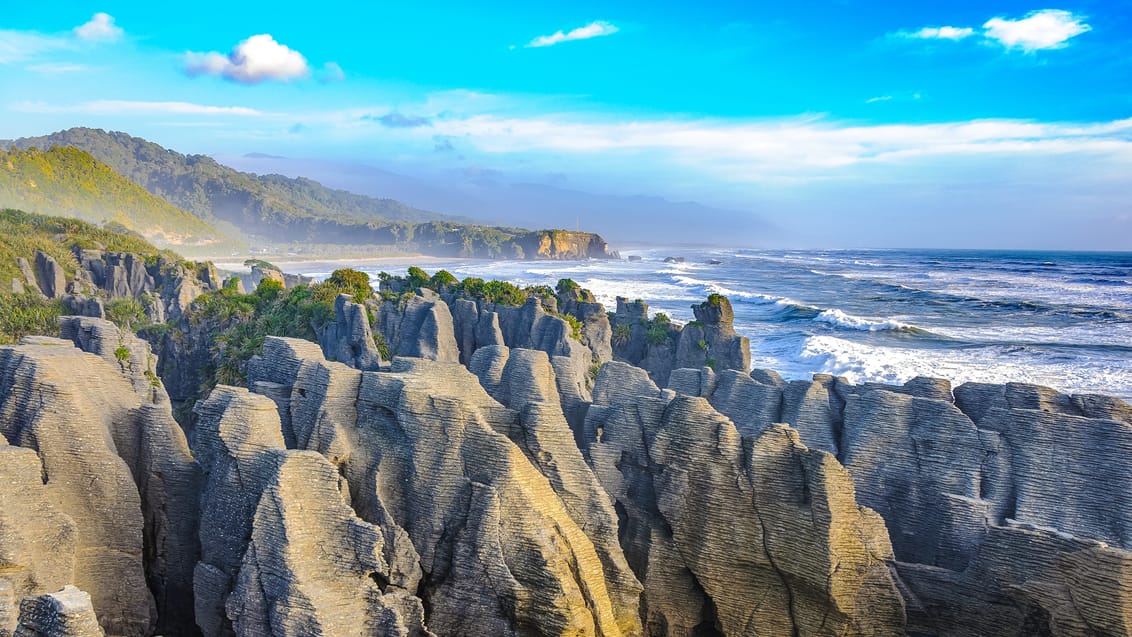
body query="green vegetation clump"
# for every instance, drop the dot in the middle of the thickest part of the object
(261, 264)
(657, 333)
(128, 314)
(27, 314)
(715, 300)
(441, 280)
(712, 363)
(417, 278)
(575, 325)
(122, 353)
(622, 332)
(566, 285)
(702, 344)
(345, 281)
(240, 322)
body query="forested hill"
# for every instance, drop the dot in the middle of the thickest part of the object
(272, 205)
(72, 183)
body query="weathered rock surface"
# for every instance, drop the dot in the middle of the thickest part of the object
(65, 613)
(712, 338)
(473, 523)
(712, 521)
(349, 338)
(419, 327)
(78, 413)
(282, 552)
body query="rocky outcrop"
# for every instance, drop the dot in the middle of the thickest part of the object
(66, 613)
(116, 465)
(1000, 500)
(564, 245)
(711, 339)
(349, 338)
(639, 341)
(596, 332)
(419, 327)
(691, 490)
(49, 275)
(282, 553)
(474, 524)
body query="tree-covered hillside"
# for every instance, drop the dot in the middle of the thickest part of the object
(72, 183)
(266, 204)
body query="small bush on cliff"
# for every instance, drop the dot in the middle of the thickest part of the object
(575, 325)
(418, 278)
(345, 281)
(657, 333)
(128, 314)
(441, 280)
(566, 285)
(715, 300)
(26, 314)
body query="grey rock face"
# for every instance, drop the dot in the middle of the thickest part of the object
(714, 339)
(420, 328)
(50, 276)
(29, 282)
(692, 491)
(478, 580)
(349, 338)
(66, 613)
(282, 552)
(76, 411)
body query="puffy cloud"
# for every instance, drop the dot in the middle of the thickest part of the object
(1037, 30)
(595, 29)
(100, 28)
(1046, 29)
(256, 59)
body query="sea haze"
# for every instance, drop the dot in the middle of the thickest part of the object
(1059, 319)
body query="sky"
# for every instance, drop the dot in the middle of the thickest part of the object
(822, 124)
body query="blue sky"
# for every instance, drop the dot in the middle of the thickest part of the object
(856, 123)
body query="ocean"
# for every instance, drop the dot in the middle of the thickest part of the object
(1058, 319)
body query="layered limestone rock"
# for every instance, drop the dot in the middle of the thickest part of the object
(692, 490)
(349, 338)
(711, 338)
(419, 327)
(474, 524)
(49, 275)
(65, 613)
(651, 347)
(596, 329)
(282, 553)
(76, 412)
(37, 540)
(117, 468)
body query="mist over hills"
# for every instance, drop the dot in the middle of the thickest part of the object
(267, 209)
(493, 198)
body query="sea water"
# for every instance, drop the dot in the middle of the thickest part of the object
(1058, 319)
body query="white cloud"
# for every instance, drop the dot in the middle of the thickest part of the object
(802, 149)
(940, 33)
(595, 29)
(127, 107)
(879, 98)
(252, 61)
(100, 28)
(17, 46)
(1046, 29)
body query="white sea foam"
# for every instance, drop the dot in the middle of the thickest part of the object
(848, 321)
(861, 362)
